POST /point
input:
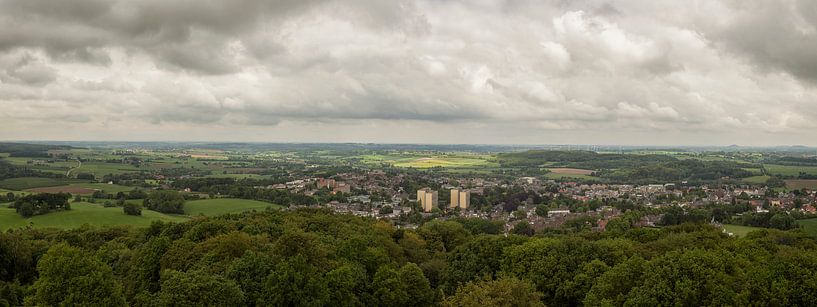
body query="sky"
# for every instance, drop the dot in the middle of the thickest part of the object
(635, 72)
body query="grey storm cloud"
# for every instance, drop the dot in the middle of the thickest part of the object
(541, 70)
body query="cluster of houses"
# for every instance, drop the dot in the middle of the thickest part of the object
(459, 190)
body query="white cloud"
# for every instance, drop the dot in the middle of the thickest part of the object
(476, 71)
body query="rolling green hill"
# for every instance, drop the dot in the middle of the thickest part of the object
(80, 214)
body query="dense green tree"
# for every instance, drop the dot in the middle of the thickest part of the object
(132, 209)
(197, 288)
(71, 277)
(165, 201)
(541, 210)
(504, 291)
(524, 228)
(295, 282)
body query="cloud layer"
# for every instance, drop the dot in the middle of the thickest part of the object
(429, 71)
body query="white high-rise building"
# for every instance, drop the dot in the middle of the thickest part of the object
(427, 198)
(460, 198)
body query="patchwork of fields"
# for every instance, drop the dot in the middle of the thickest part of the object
(432, 160)
(19, 184)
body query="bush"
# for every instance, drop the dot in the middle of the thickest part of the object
(165, 201)
(132, 209)
(86, 176)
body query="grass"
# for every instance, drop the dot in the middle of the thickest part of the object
(237, 176)
(739, 230)
(809, 226)
(423, 161)
(788, 170)
(801, 184)
(557, 176)
(19, 184)
(82, 214)
(219, 206)
(756, 179)
(107, 188)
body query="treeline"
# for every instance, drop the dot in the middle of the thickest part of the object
(7, 170)
(628, 168)
(577, 159)
(29, 150)
(680, 170)
(316, 258)
(42, 203)
(247, 189)
(791, 160)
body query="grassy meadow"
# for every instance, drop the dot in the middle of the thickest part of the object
(81, 214)
(218, 206)
(790, 170)
(739, 230)
(19, 184)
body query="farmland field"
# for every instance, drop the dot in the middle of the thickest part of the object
(789, 170)
(107, 188)
(81, 214)
(19, 184)
(442, 161)
(756, 179)
(570, 171)
(212, 207)
(424, 161)
(63, 189)
(801, 184)
(557, 176)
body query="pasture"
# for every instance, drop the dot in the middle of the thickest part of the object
(797, 184)
(219, 206)
(755, 179)
(559, 176)
(790, 170)
(460, 162)
(19, 184)
(570, 171)
(63, 189)
(81, 214)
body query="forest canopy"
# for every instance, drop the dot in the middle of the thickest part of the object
(314, 257)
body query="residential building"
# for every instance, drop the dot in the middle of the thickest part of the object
(427, 198)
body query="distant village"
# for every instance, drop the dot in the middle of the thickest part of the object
(379, 195)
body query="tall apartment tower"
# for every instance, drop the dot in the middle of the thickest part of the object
(465, 199)
(455, 198)
(460, 198)
(427, 198)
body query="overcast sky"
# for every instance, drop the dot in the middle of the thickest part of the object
(429, 71)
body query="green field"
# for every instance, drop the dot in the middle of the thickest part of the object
(556, 176)
(756, 179)
(19, 184)
(81, 214)
(107, 188)
(424, 161)
(218, 206)
(788, 170)
(739, 230)
(797, 184)
(809, 226)
(237, 176)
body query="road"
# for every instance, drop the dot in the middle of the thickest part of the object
(68, 174)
